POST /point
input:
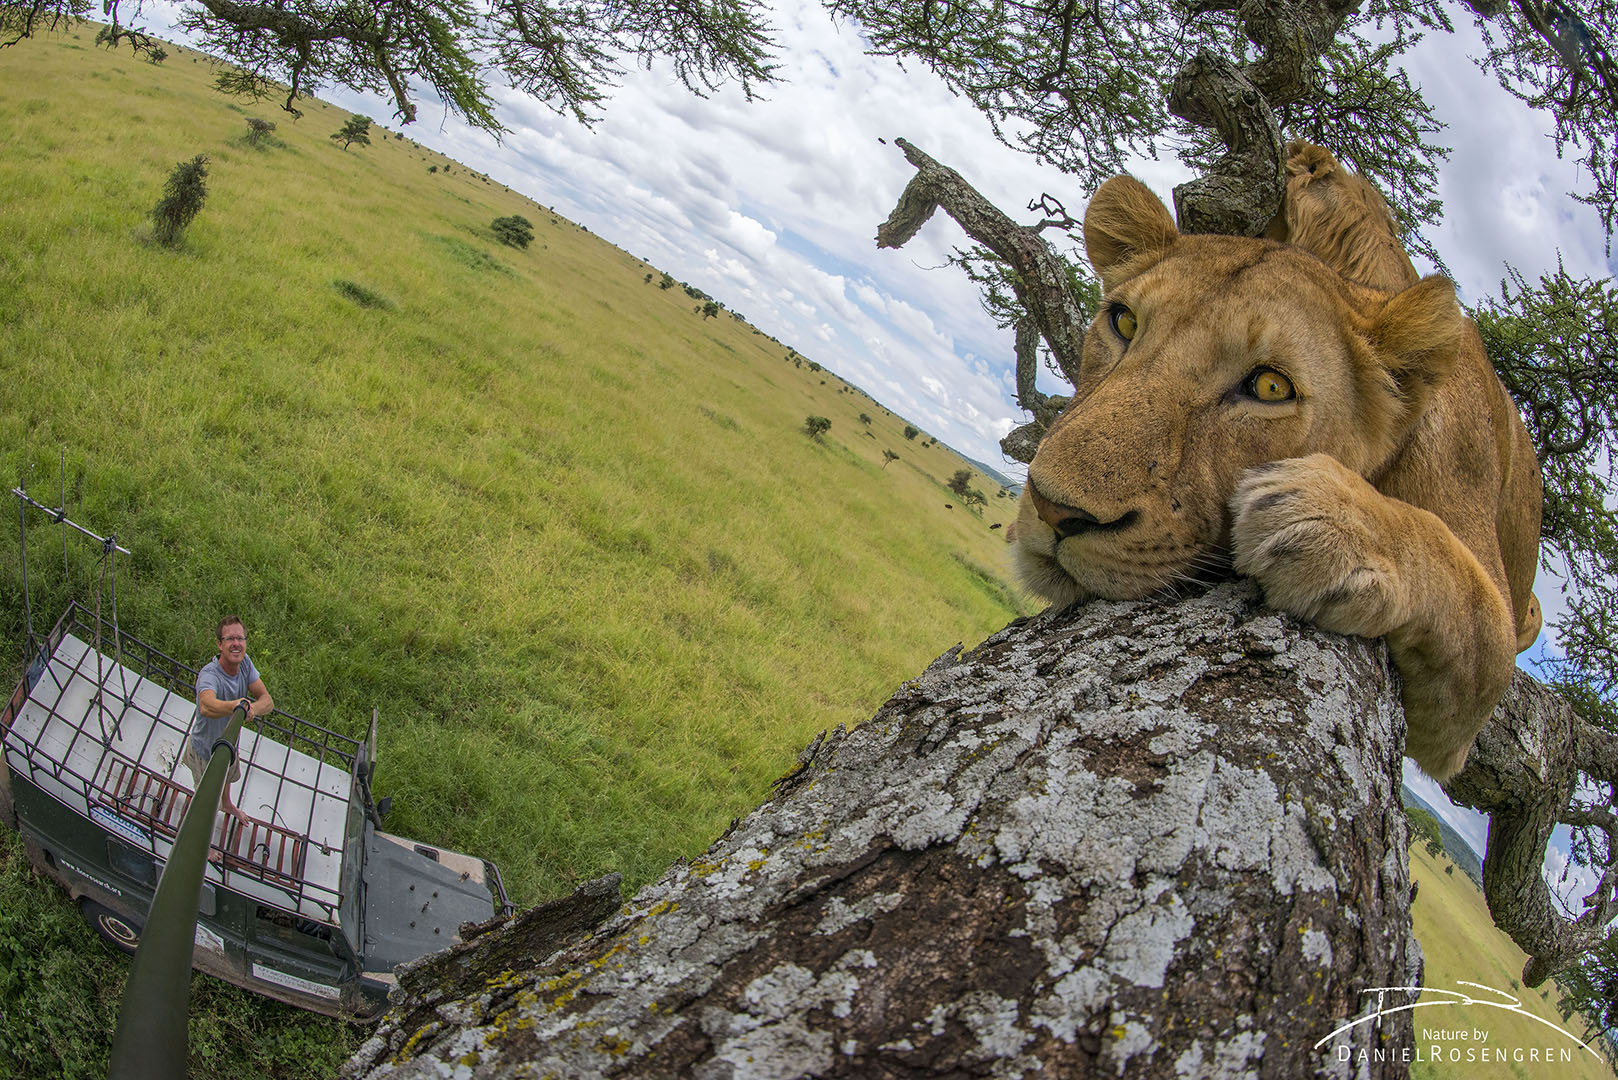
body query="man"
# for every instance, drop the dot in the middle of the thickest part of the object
(228, 679)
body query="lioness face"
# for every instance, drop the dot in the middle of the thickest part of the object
(1209, 355)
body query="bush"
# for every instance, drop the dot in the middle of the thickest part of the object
(182, 200)
(516, 230)
(259, 131)
(816, 426)
(961, 482)
(910, 432)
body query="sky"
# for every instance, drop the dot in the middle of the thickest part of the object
(771, 206)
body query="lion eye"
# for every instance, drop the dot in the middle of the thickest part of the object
(1267, 385)
(1123, 322)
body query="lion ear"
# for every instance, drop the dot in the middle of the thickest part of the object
(1126, 229)
(1418, 335)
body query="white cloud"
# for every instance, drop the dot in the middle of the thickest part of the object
(789, 190)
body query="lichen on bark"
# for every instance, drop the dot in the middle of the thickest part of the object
(1138, 839)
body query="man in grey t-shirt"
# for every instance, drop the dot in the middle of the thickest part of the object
(227, 680)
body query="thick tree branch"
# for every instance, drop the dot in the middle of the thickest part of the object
(1040, 282)
(1242, 192)
(1126, 839)
(1523, 773)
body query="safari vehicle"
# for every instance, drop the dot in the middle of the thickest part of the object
(304, 897)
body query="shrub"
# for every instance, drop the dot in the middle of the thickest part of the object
(182, 200)
(259, 131)
(665, 282)
(865, 419)
(816, 426)
(910, 432)
(888, 458)
(961, 482)
(516, 230)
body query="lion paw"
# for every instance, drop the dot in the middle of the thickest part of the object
(1316, 536)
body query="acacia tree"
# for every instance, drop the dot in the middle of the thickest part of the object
(356, 129)
(1083, 87)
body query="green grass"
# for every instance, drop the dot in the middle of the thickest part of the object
(1461, 943)
(567, 535)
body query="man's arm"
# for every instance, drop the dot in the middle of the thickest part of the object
(210, 705)
(262, 702)
(259, 702)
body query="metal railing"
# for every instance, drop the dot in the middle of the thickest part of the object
(124, 776)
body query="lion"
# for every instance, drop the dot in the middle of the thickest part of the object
(1244, 405)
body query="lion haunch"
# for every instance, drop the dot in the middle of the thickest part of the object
(1244, 404)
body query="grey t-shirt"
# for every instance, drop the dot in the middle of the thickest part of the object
(205, 731)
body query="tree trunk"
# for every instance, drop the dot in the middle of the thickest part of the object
(1142, 839)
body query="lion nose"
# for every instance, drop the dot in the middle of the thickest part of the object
(1071, 520)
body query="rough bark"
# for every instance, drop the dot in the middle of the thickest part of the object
(1242, 191)
(1127, 839)
(1523, 772)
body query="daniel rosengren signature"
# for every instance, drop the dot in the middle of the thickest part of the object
(1440, 997)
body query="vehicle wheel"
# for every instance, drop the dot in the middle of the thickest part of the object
(119, 931)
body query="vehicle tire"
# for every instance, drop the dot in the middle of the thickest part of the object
(119, 931)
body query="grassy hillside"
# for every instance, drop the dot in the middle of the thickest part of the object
(566, 534)
(1461, 943)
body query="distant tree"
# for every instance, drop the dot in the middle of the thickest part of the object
(665, 282)
(259, 131)
(961, 482)
(710, 310)
(1449, 868)
(1424, 827)
(432, 168)
(888, 458)
(813, 366)
(182, 200)
(516, 230)
(865, 418)
(816, 426)
(357, 130)
(648, 279)
(910, 432)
